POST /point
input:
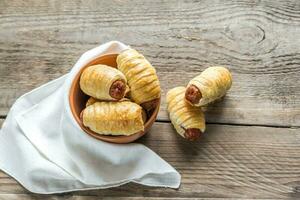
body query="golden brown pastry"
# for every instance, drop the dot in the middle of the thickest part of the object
(209, 86)
(92, 100)
(188, 120)
(103, 82)
(141, 77)
(114, 118)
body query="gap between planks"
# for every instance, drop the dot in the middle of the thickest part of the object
(238, 124)
(2, 117)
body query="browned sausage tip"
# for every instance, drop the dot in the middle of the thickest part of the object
(117, 89)
(192, 134)
(193, 94)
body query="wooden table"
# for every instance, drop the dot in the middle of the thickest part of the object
(252, 144)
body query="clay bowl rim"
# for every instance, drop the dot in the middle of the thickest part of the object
(122, 139)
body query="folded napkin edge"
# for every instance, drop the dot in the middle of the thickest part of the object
(93, 187)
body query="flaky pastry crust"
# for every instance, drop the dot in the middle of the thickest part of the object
(141, 76)
(212, 83)
(103, 82)
(183, 115)
(114, 118)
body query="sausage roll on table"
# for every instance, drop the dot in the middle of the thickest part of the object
(188, 120)
(210, 85)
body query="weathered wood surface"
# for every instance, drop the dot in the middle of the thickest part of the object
(258, 40)
(230, 162)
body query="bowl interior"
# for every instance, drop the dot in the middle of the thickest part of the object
(78, 100)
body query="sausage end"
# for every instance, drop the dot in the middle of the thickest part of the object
(193, 94)
(192, 134)
(117, 89)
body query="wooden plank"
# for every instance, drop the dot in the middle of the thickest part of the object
(78, 197)
(258, 40)
(229, 162)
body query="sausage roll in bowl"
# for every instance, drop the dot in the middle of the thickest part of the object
(103, 82)
(141, 76)
(114, 118)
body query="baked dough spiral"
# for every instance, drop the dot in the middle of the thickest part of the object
(114, 118)
(103, 82)
(188, 120)
(141, 76)
(210, 85)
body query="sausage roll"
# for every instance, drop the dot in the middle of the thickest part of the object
(114, 118)
(209, 86)
(103, 82)
(92, 100)
(188, 120)
(141, 77)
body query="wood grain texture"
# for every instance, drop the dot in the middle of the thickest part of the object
(229, 162)
(258, 40)
(78, 197)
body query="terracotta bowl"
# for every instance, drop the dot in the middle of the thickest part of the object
(78, 100)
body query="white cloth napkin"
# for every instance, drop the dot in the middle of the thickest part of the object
(43, 147)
